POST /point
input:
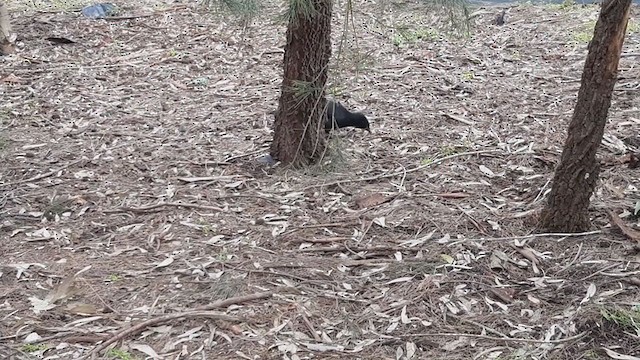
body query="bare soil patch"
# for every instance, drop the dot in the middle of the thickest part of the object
(130, 191)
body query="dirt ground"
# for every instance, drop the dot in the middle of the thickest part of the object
(136, 222)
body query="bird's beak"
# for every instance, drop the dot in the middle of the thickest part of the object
(368, 130)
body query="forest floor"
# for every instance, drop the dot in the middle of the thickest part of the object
(130, 191)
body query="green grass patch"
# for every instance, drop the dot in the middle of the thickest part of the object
(56, 208)
(334, 158)
(350, 59)
(31, 348)
(57, 5)
(632, 26)
(468, 75)
(120, 354)
(113, 278)
(584, 33)
(581, 37)
(406, 36)
(244, 10)
(4, 143)
(206, 227)
(565, 5)
(629, 320)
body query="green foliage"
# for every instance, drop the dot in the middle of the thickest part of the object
(629, 320)
(300, 7)
(4, 120)
(568, 3)
(200, 82)
(46, 5)
(226, 287)
(444, 151)
(205, 226)
(584, 33)
(224, 255)
(591, 355)
(351, 59)
(632, 27)
(445, 18)
(246, 10)
(468, 75)
(515, 54)
(426, 161)
(448, 150)
(173, 53)
(30, 348)
(364, 62)
(334, 159)
(113, 278)
(565, 5)
(119, 354)
(55, 209)
(456, 13)
(51, 4)
(304, 89)
(405, 36)
(336, 90)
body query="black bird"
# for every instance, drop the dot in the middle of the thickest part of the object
(499, 20)
(337, 116)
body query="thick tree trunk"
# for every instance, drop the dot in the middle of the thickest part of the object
(7, 38)
(299, 132)
(576, 175)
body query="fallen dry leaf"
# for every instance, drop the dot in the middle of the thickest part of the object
(371, 200)
(627, 231)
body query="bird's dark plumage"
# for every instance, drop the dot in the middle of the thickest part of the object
(337, 116)
(499, 20)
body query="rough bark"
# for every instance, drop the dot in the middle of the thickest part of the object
(298, 130)
(7, 38)
(575, 177)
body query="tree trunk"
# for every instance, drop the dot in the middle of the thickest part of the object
(298, 131)
(7, 38)
(576, 175)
